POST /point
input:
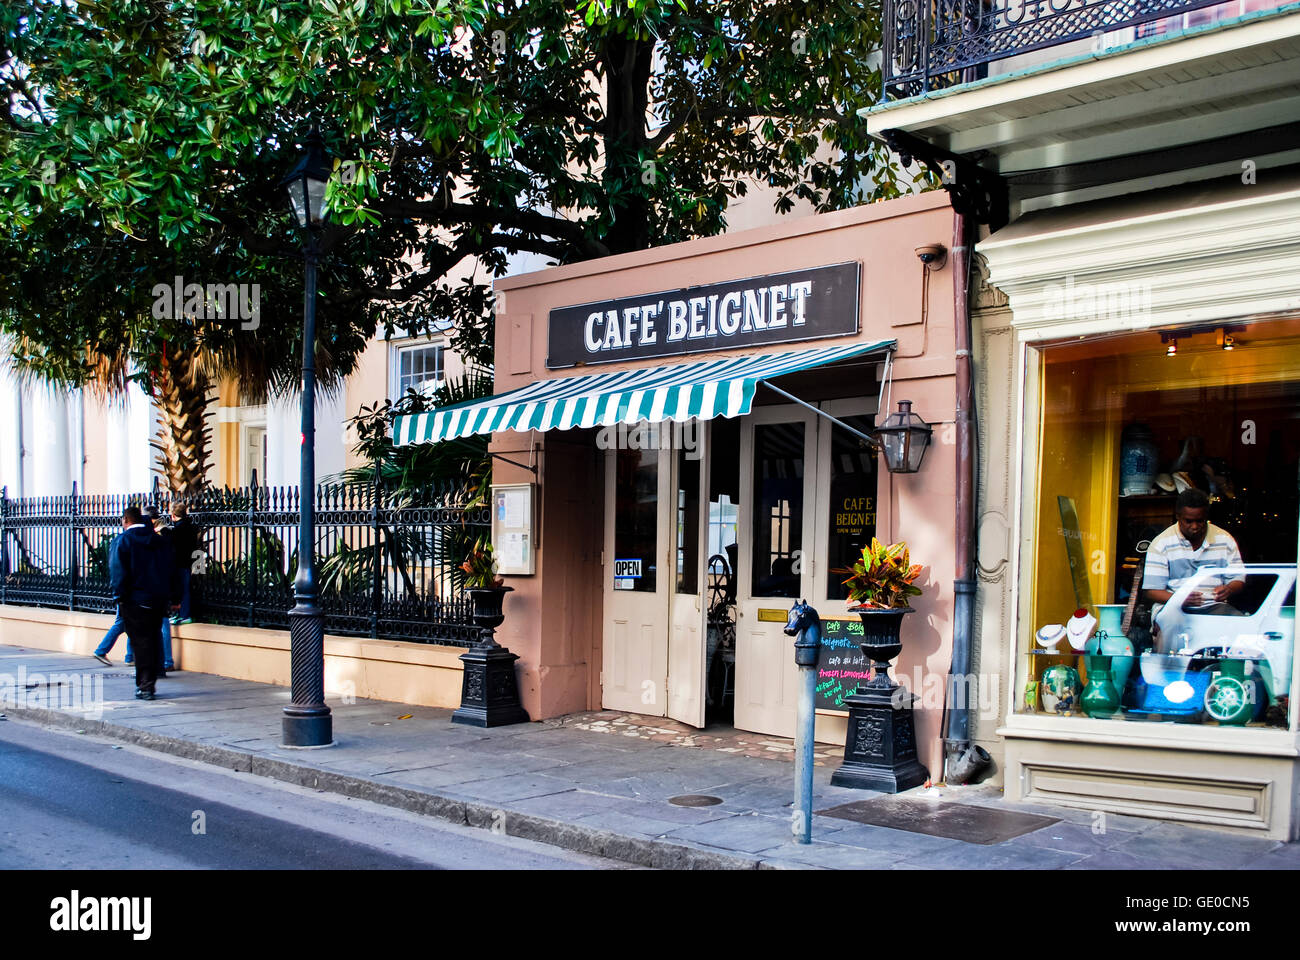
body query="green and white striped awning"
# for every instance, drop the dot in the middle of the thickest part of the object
(702, 390)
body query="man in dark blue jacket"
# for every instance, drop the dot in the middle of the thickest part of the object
(142, 573)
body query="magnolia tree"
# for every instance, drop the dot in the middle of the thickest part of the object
(141, 144)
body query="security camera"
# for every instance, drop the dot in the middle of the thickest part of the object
(933, 255)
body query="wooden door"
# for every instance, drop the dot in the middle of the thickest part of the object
(777, 448)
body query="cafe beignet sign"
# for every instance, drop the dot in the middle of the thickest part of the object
(780, 308)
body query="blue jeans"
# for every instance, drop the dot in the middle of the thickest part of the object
(166, 643)
(116, 630)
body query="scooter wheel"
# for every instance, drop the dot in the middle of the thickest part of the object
(1227, 700)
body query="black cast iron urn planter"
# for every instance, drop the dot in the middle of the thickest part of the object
(489, 693)
(880, 749)
(486, 609)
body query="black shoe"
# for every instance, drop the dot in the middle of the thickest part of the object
(139, 694)
(147, 695)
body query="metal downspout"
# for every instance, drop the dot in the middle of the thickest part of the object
(962, 761)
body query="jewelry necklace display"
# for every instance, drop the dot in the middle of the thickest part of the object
(1080, 628)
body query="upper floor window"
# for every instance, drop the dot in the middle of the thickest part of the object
(418, 368)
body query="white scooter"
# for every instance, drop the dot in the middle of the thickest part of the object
(1266, 636)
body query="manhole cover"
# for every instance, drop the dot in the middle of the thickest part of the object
(694, 800)
(957, 821)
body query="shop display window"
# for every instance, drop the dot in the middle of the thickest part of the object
(1160, 577)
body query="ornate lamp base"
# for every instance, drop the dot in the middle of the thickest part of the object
(880, 750)
(489, 694)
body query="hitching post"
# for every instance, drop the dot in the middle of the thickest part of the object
(804, 622)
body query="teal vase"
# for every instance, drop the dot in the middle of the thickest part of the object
(1110, 640)
(1110, 617)
(1100, 698)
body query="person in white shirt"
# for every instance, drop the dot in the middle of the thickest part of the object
(1186, 546)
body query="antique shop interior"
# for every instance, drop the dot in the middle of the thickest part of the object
(1128, 423)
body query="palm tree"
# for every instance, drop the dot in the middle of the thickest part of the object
(408, 472)
(451, 472)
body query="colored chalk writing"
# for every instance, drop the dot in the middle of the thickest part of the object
(841, 665)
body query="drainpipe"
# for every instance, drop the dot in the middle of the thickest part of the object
(962, 760)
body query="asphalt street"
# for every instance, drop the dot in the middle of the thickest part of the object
(77, 802)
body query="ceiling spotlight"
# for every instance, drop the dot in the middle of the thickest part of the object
(1227, 341)
(1172, 350)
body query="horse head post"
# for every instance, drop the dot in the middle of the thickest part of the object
(804, 623)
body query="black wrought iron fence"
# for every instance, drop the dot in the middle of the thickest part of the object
(386, 561)
(933, 44)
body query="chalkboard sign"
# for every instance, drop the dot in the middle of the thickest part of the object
(841, 665)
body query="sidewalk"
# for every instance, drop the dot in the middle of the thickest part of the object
(596, 784)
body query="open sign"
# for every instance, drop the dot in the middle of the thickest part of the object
(627, 569)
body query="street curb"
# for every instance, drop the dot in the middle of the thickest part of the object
(641, 851)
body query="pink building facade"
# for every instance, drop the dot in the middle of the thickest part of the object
(664, 557)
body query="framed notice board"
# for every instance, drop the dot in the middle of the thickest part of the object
(513, 532)
(841, 665)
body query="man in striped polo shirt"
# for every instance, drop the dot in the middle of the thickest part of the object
(1182, 548)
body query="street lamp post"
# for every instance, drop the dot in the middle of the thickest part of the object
(307, 721)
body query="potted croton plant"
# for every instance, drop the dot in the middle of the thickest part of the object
(879, 585)
(486, 589)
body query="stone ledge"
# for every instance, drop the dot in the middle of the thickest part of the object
(398, 671)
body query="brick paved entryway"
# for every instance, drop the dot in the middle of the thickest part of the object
(725, 739)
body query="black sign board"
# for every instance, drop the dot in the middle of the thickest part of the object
(841, 664)
(780, 308)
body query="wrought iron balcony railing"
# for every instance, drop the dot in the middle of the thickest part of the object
(934, 44)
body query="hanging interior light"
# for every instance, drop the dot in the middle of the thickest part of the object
(1224, 338)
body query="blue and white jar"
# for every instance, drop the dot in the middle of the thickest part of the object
(1138, 460)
